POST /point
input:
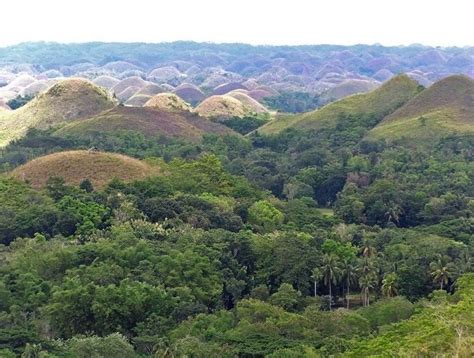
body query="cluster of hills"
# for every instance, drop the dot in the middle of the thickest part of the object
(153, 202)
(76, 108)
(194, 71)
(400, 109)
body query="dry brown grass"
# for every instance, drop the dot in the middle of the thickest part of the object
(168, 101)
(65, 101)
(137, 100)
(76, 166)
(250, 103)
(133, 81)
(148, 121)
(221, 106)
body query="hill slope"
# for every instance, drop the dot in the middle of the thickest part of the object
(149, 121)
(75, 166)
(67, 100)
(385, 99)
(445, 107)
(168, 101)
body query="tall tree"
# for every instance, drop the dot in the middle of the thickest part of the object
(389, 285)
(316, 275)
(442, 271)
(349, 272)
(331, 272)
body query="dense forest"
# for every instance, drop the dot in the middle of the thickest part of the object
(304, 243)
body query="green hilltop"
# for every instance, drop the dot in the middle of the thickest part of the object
(380, 102)
(444, 108)
(65, 101)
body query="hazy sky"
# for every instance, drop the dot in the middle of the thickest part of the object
(393, 22)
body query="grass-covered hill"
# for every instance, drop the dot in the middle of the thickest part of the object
(378, 103)
(232, 104)
(445, 107)
(148, 121)
(65, 101)
(167, 101)
(75, 166)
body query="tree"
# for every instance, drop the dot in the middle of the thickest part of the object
(316, 275)
(389, 285)
(86, 185)
(349, 272)
(331, 272)
(366, 283)
(286, 297)
(262, 213)
(441, 271)
(367, 277)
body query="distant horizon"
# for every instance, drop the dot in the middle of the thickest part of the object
(282, 23)
(49, 42)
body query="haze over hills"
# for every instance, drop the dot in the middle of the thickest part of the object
(127, 68)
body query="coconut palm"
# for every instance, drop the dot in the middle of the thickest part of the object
(316, 275)
(389, 285)
(367, 282)
(349, 272)
(331, 272)
(441, 271)
(368, 250)
(393, 213)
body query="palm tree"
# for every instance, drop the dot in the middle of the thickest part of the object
(367, 249)
(366, 283)
(349, 272)
(367, 277)
(441, 271)
(389, 285)
(393, 213)
(331, 273)
(316, 275)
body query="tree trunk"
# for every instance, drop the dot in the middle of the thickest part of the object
(441, 284)
(330, 296)
(315, 288)
(347, 293)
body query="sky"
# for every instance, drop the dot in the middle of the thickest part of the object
(277, 22)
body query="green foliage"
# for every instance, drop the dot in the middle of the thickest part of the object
(244, 125)
(293, 102)
(114, 345)
(23, 211)
(19, 101)
(263, 214)
(439, 327)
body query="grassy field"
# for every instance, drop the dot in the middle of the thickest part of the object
(379, 102)
(65, 101)
(76, 166)
(150, 122)
(444, 108)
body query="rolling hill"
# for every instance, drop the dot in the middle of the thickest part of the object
(380, 102)
(167, 101)
(65, 101)
(445, 107)
(149, 121)
(76, 166)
